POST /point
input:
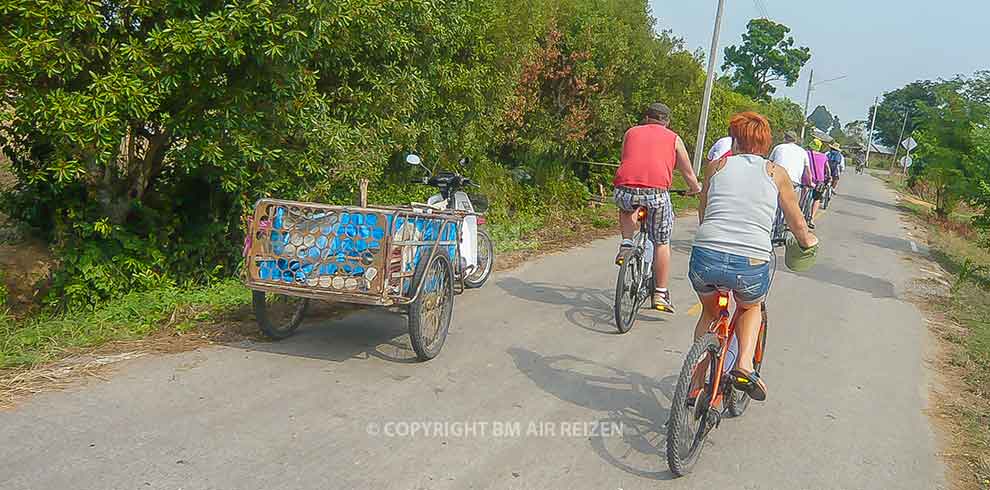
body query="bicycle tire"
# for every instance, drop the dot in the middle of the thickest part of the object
(684, 444)
(277, 330)
(481, 274)
(624, 290)
(736, 402)
(437, 270)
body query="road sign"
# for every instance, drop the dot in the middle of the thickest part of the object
(906, 162)
(909, 144)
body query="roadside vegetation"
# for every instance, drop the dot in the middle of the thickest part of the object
(137, 143)
(961, 319)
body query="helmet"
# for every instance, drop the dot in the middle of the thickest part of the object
(798, 258)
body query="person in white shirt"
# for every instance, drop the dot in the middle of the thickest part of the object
(794, 160)
(721, 148)
(792, 157)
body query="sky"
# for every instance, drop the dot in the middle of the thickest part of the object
(879, 45)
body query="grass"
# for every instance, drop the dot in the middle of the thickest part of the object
(954, 246)
(47, 337)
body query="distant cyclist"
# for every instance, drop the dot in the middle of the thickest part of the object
(732, 250)
(650, 152)
(836, 164)
(817, 178)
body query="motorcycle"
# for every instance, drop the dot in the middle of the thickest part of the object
(477, 250)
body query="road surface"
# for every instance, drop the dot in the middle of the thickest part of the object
(533, 390)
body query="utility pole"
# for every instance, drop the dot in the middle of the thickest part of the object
(869, 134)
(807, 102)
(901, 137)
(699, 149)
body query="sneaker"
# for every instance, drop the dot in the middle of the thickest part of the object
(624, 252)
(662, 302)
(811, 225)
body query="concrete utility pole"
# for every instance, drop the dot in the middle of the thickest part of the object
(807, 103)
(699, 149)
(869, 134)
(901, 137)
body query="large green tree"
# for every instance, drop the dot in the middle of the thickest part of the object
(897, 103)
(767, 55)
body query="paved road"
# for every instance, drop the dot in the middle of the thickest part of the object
(533, 351)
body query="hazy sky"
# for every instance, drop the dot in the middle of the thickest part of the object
(880, 45)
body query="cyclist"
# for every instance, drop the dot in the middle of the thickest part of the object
(732, 249)
(836, 163)
(650, 152)
(721, 148)
(817, 178)
(794, 160)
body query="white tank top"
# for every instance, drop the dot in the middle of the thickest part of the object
(742, 204)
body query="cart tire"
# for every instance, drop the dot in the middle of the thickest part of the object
(484, 270)
(429, 315)
(279, 329)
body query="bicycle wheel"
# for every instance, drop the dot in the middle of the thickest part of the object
(627, 291)
(689, 424)
(486, 262)
(827, 197)
(279, 317)
(738, 401)
(429, 315)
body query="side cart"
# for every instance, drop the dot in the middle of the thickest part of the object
(296, 252)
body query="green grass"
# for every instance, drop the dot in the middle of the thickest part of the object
(47, 336)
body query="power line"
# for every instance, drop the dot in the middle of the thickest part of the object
(762, 8)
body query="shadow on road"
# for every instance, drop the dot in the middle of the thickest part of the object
(855, 215)
(359, 335)
(888, 242)
(879, 288)
(629, 399)
(871, 202)
(590, 309)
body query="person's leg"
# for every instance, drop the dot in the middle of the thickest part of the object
(627, 223)
(748, 319)
(709, 309)
(661, 265)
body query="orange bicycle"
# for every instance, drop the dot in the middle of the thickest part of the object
(696, 411)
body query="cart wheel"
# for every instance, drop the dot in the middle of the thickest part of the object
(429, 315)
(279, 316)
(486, 262)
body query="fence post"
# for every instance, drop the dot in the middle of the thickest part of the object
(363, 193)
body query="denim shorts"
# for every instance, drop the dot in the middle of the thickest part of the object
(710, 270)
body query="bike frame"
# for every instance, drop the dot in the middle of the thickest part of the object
(724, 327)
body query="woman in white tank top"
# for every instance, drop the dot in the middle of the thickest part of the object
(732, 250)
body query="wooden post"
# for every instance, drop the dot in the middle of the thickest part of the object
(363, 193)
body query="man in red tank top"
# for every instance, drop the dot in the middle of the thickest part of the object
(650, 152)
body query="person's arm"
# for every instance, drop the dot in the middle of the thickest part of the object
(709, 169)
(684, 165)
(792, 211)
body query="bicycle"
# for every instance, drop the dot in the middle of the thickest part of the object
(694, 415)
(827, 195)
(636, 282)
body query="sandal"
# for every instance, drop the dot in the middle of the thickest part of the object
(749, 383)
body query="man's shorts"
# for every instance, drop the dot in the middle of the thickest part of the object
(660, 216)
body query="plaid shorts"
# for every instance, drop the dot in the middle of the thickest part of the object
(660, 216)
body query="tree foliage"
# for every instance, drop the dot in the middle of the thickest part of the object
(897, 103)
(767, 55)
(141, 133)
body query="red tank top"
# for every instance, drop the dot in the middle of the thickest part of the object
(648, 157)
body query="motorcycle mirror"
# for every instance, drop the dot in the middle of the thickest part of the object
(414, 159)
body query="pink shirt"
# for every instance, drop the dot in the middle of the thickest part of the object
(649, 153)
(819, 167)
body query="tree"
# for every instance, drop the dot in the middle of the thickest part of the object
(821, 118)
(766, 55)
(890, 115)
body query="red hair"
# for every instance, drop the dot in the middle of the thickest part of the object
(751, 133)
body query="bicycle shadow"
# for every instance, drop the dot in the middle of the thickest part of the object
(590, 309)
(357, 334)
(630, 400)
